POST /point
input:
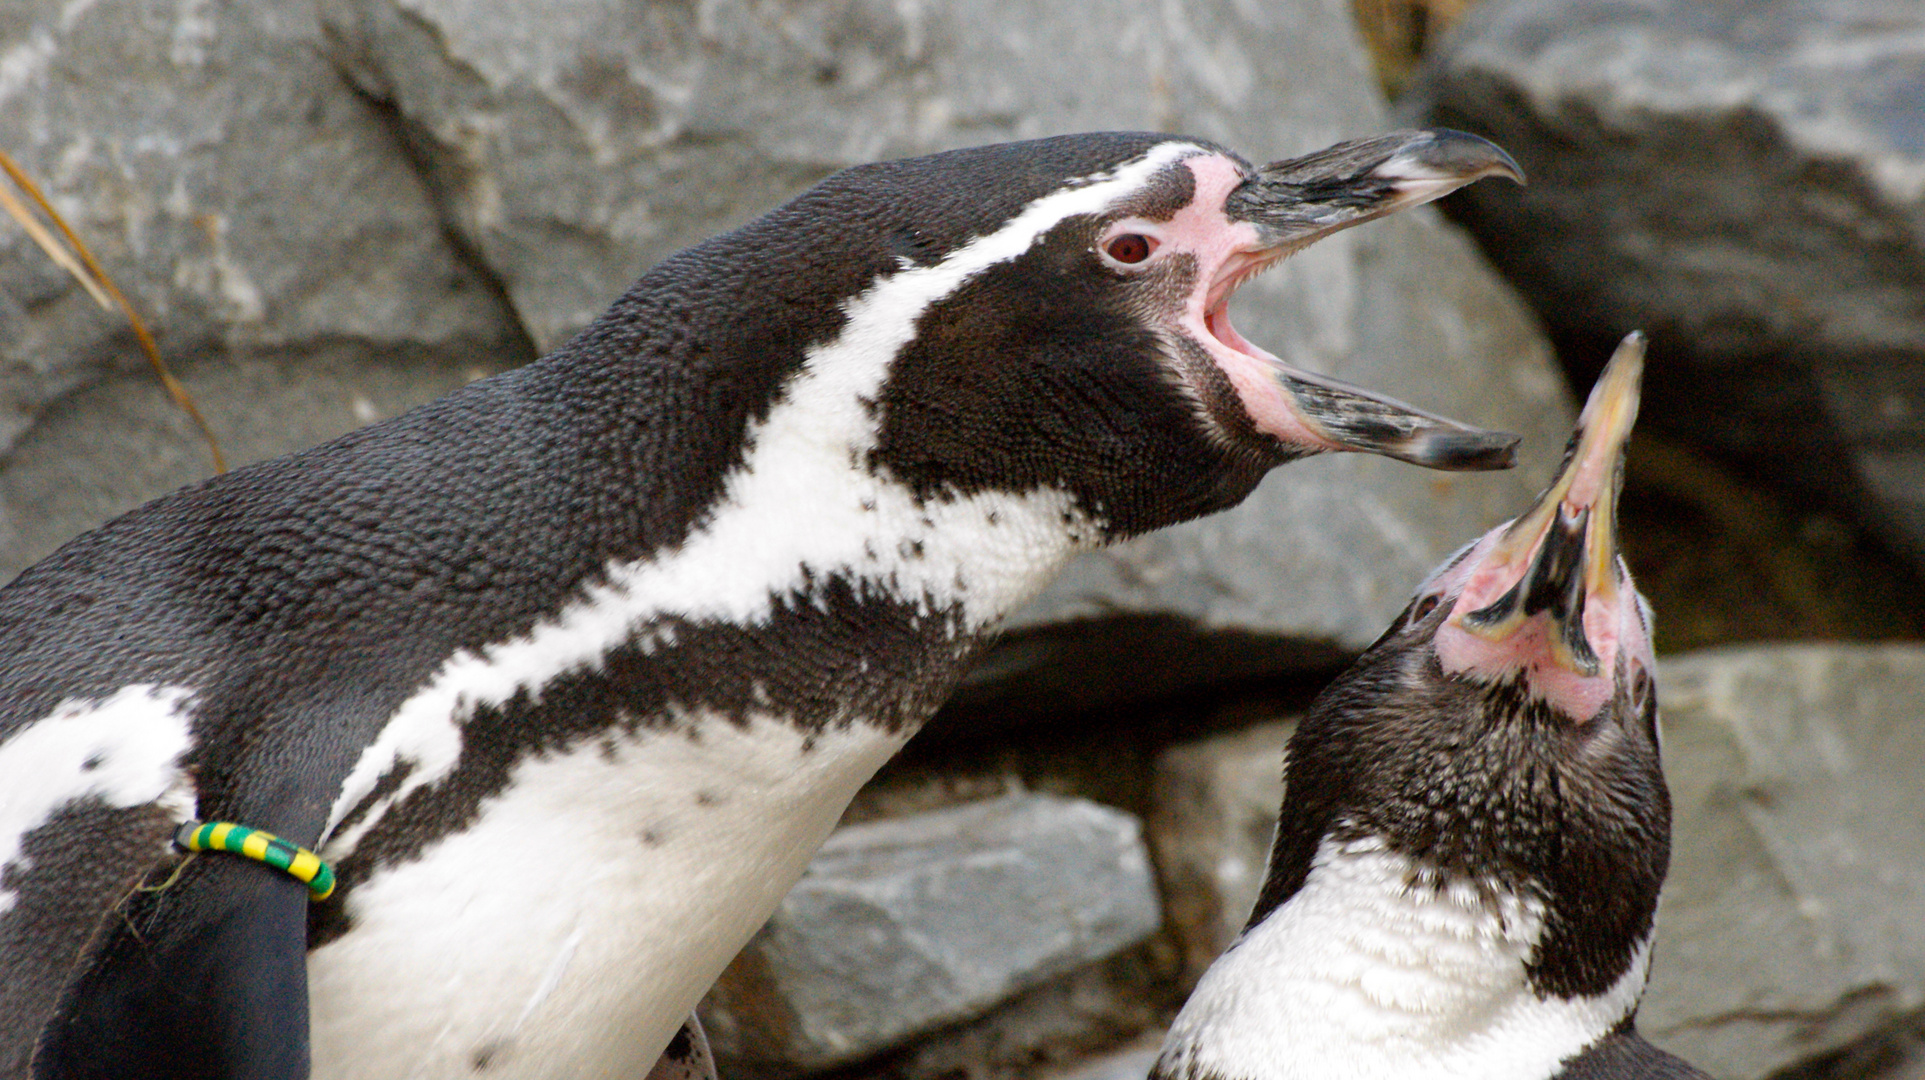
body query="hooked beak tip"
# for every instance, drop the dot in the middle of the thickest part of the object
(1449, 157)
(1297, 201)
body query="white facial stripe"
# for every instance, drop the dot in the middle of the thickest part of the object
(1359, 978)
(800, 500)
(124, 750)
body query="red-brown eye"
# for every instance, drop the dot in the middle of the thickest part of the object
(1129, 248)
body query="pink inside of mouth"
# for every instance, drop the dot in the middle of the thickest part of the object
(1611, 624)
(1227, 254)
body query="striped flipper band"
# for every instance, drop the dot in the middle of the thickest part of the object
(260, 846)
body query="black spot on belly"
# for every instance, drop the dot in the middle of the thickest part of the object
(94, 761)
(708, 798)
(654, 837)
(488, 1053)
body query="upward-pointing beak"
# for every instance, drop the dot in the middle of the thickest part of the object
(1566, 545)
(1296, 202)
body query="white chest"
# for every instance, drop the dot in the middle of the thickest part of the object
(569, 931)
(1361, 976)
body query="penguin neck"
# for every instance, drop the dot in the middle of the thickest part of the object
(1378, 967)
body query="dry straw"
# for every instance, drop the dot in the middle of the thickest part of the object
(74, 257)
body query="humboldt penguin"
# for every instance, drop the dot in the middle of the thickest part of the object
(561, 679)
(1475, 824)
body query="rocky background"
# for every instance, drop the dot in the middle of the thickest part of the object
(330, 211)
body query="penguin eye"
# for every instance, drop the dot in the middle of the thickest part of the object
(1129, 248)
(1424, 607)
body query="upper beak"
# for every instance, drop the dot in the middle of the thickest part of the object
(1296, 202)
(1300, 200)
(1567, 543)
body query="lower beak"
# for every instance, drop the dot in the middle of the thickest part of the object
(1347, 417)
(1566, 545)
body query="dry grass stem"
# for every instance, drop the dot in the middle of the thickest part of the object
(101, 287)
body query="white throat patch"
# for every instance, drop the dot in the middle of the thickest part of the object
(1360, 977)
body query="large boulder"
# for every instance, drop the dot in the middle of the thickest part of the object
(907, 924)
(1744, 181)
(1793, 924)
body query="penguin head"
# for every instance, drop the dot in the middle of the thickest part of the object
(1072, 330)
(1504, 730)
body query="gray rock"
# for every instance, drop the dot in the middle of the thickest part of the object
(1074, 1022)
(245, 198)
(1213, 815)
(1744, 181)
(1793, 922)
(577, 155)
(240, 192)
(903, 925)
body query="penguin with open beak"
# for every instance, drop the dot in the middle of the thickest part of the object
(478, 741)
(1475, 824)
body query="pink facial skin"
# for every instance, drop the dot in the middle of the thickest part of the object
(1618, 628)
(1226, 254)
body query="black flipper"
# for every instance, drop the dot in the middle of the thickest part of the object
(204, 978)
(73, 870)
(687, 1056)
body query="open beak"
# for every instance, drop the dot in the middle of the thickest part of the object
(1564, 549)
(1296, 202)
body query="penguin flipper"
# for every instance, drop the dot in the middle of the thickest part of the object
(205, 978)
(687, 1056)
(58, 900)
